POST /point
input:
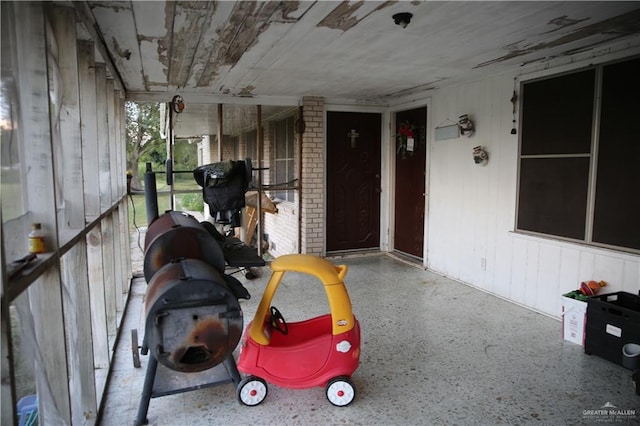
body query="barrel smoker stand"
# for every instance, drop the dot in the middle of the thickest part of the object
(162, 381)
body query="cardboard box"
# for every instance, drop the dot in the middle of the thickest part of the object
(574, 319)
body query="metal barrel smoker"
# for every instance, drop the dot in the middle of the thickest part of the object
(193, 318)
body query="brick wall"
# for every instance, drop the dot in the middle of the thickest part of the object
(229, 147)
(209, 146)
(282, 228)
(204, 149)
(313, 176)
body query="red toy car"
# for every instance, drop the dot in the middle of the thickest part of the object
(321, 351)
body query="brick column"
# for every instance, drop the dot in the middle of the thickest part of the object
(313, 176)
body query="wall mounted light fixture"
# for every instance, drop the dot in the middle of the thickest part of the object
(467, 128)
(177, 104)
(480, 156)
(403, 19)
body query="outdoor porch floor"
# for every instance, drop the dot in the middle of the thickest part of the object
(434, 351)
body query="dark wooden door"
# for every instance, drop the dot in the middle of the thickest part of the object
(410, 186)
(353, 180)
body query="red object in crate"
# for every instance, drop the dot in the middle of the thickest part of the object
(591, 288)
(321, 351)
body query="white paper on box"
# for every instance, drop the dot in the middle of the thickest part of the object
(613, 330)
(574, 317)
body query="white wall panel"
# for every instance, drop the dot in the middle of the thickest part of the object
(472, 211)
(631, 276)
(547, 283)
(568, 275)
(518, 272)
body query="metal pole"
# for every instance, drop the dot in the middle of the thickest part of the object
(220, 132)
(300, 131)
(150, 194)
(259, 136)
(147, 391)
(170, 158)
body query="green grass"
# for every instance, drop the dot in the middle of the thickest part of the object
(140, 208)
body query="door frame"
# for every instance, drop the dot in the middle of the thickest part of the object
(384, 169)
(388, 167)
(391, 157)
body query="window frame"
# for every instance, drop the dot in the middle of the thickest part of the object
(290, 147)
(593, 156)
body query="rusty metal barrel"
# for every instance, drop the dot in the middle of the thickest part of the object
(193, 319)
(178, 235)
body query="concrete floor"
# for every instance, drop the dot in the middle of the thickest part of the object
(434, 351)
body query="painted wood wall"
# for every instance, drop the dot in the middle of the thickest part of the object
(471, 211)
(66, 308)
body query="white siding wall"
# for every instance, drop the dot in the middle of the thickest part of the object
(471, 213)
(282, 228)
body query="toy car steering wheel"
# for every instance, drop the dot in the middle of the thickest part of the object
(277, 322)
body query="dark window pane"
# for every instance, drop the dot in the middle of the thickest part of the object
(617, 202)
(283, 164)
(252, 149)
(281, 139)
(281, 175)
(553, 196)
(558, 114)
(290, 137)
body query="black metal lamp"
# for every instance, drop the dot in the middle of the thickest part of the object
(403, 19)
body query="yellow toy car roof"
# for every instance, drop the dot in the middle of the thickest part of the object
(331, 277)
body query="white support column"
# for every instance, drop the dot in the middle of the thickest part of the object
(74, 264)
(89, 130)
(124, 209)
(118, 272)
(108, 272)
(45, 293)
(112, 142)
(104, 161)
(82, 380)
(115, 177)
(64, 27)
(98, 311)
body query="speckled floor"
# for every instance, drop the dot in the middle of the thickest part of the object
(434, 351)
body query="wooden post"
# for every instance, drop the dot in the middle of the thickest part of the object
(104, 162)
(7, 385)
(89, 130)
(98, 312)
(108, 273)
(45, 293)
(64, 27)
(78, 319)
(112, 142)
(74, 270)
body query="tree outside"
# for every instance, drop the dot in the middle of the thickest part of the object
(144, 140)
(145, 144)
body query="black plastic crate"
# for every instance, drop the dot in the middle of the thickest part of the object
(613, 320)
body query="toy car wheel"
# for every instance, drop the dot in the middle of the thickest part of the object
(341, 391)
(252, 391)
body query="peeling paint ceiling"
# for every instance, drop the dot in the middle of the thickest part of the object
(349, 50)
